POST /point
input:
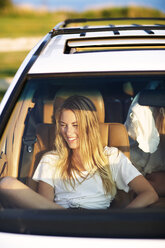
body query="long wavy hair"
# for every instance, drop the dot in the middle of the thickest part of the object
(90, 147)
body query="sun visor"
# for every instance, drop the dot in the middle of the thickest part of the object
(153, 98)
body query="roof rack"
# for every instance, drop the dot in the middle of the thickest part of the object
(61, 27)
(146, 28)
(84, 20)
(148, 31)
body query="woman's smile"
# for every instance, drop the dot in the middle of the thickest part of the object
(71, 139)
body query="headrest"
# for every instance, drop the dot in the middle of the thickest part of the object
(48, 112)
(115, 135)
(94, 96)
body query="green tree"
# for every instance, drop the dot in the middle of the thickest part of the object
(5, 4)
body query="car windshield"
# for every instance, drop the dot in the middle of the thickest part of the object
(36, 106)
(30, 129)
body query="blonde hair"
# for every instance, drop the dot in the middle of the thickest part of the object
(91, 149)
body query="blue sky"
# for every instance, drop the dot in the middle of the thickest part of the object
(84, 4)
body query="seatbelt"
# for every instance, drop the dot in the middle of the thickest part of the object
(29, 139)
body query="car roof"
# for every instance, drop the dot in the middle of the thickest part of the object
(109, 47)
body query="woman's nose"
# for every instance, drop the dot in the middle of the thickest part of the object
(69, 130)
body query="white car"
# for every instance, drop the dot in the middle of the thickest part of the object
(112, 63)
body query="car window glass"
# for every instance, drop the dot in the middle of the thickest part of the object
(34, 112)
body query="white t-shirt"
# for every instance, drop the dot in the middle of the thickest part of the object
(88, 193)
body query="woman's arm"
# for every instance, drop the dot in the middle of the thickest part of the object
(46, 190)
(146, 195)
(13, 193)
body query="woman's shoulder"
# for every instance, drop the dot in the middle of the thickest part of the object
(114, 155)
(50, 156)
(111, 151)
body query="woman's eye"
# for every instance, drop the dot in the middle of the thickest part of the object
(62, 125)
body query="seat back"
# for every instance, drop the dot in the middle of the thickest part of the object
(115, 135)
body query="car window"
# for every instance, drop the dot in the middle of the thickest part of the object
(30, 133)
(35, 108)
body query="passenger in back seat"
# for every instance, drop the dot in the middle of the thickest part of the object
(80, 173)
(146, 129)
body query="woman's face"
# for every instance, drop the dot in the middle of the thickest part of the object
(69, 128)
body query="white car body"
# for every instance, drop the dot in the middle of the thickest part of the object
(52, 59)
